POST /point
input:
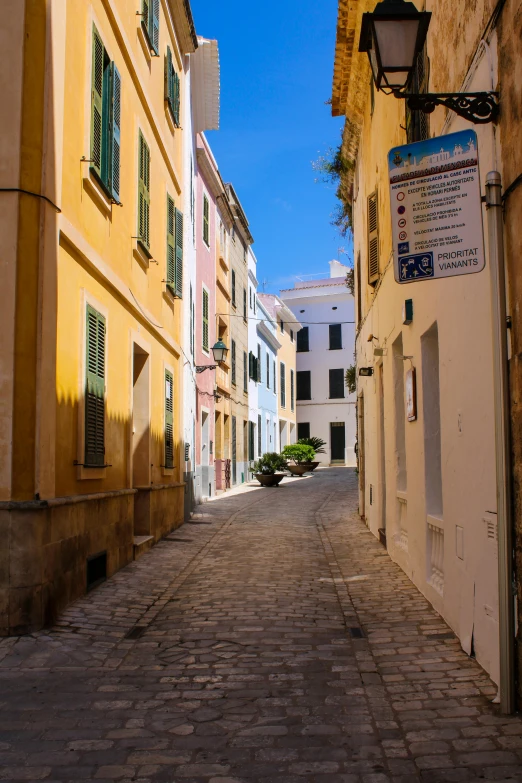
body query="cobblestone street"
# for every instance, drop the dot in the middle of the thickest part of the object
(270, 639)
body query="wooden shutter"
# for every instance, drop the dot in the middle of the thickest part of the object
(114, 125)
(95, 389)
(176, 93)
(303, 385)
(233, 346)
(250, 365)
(233, 288)
(169, 421)
(154, 21)
(258, 366)
(274, 373)
(267, 370)
(259, 436)
(373, 239)
(205, 320)
(302, 340)
(292, 390)
(336, 384)
(205, 221)
(336, 340)
(282, 384)
(244, 304)
(245, 372)
(144, 192)
(98, 57)
(169, 80)
(251, 454)
(179, 253)
(171, 245)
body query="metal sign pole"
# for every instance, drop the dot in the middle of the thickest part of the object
(502, 443)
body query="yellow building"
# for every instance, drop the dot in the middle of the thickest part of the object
(93, 227)
(287, 328)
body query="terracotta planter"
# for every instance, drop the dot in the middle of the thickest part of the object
(269, 479)
(300, 469)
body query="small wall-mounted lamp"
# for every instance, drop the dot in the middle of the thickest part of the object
(219, 351)
(365, 372)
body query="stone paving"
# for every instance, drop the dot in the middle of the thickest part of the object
(270, 640)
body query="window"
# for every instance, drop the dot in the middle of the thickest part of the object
(282, 384)
(254, 304)
(282, 326)
(169, 431)
(267, 370)
(303, 430)
(144, 194)
(206, 233)
(174, 249)
(291, 335)
(417, 122)
(233, 353)
(204, 340)
(259, 364)
(94, 389)
(105, 119)
(336, 384)
(259, 436)
(245, 372)
(150, 11)
(373, 238)
(252, 366)
(233, 288)
(302, 340)
(172, 88)
(274, 374)
(245, 314)
(292, 390)
(303, 385)
(336, 337)
(251, 441)
(250, 297)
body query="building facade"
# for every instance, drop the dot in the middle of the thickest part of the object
(425, 414)
(268, 346)
(325, 348)
(254, 421)
(287, 329)
(92, 393)
(240, 240)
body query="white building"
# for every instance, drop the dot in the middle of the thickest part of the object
(254, 416)
(325, 350)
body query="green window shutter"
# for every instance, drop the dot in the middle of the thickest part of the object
(169, 80)
(95, 389)
(245, 372)
(179, 253)
(292, 390)
(233, 288)
(205, 220)
(115, 122)
(176, 91)
(169, 420)
(233, 346)
(282, 385)
(171, 244)
(205, 320)
(373, 238)
(154, 21)
(98, 56)
(144, 192)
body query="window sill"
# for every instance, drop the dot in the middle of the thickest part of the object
(98, 195)
(336, 349)
(84, 473)
(142, 254)
(167, 471)
(170, 119)
(144, 40)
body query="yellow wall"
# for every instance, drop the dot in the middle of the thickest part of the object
(286, 354)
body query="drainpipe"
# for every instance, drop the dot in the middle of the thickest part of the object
(502, 444)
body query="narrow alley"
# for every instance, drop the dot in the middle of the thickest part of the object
(270, 639)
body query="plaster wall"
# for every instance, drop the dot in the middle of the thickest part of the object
(268, 386)
(238, 258)
(449, 551)
(253, 315)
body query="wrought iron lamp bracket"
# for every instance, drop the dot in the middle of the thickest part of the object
(204, 367)
(476, 107)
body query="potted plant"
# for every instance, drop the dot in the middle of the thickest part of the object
(266, 467)
(301, 455)
(317, 445)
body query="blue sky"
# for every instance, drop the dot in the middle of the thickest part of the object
(276, 74)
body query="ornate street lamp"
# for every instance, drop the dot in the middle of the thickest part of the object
(219, 352)
(392, 36)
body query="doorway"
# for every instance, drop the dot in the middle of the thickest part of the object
(204, 453)
(382, 459)
(140, 418)
(234, 450)
(337, 442)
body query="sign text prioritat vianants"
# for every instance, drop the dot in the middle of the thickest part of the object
(436, 208)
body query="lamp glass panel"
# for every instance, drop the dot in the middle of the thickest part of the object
(374, 65)
(396, 41)
(396, 78)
